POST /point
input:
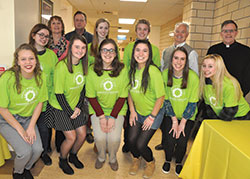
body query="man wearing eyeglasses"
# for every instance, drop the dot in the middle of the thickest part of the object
(236, 56)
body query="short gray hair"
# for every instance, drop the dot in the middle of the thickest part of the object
(181, 23)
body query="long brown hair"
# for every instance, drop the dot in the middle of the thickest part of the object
(84, 59)
(117, 66)
(134, 66)
(184, 72)
(17, 70)
(95, 42)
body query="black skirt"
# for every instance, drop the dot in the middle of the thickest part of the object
(59, 120)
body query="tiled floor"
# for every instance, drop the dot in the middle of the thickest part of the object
(88, 157)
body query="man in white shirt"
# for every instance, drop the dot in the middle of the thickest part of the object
(180, 36)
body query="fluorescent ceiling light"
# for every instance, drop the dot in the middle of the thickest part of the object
(121, 37)
(126, 21)
(123, 30)
(135, 0)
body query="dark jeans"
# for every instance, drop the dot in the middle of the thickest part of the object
(44, 131)
(138, 140)
(171, 144)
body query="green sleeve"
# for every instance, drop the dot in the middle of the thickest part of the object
(90, 87)
(4, 95)
(165, 81)
(157, 82)
(127, 55)
(124, 93)
(156, 56)
(229, 94)
(59, 77)
(43, 93)
(194, 85)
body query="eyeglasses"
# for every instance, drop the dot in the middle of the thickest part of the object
(228, 31)
(42, 35)
(105, 50)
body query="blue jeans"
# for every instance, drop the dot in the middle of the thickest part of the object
(157, 121)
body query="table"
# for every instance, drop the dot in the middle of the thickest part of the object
(4, 151)
(221, 150)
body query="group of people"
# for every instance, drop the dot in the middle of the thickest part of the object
(64, 81)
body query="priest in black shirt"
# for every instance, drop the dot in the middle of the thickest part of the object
(236, 56)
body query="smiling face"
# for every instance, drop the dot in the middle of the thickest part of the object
(142, 31)
(179, 62)
(78, 50)
(102, 30)
(141, 54)
(56, 26)
(41, 38)
(180, 34)
(228, 34)
(208, 68)
(27, 62)
(108, 54)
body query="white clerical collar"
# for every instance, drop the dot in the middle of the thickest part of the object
(180, 45)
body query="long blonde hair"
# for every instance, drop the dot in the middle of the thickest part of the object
(217, 79)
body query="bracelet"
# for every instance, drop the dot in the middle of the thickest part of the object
(102, 118)
(151, 118)
(112, 117)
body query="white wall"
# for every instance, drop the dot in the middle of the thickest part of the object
(7, 32)
(26, 16)
(154, 36)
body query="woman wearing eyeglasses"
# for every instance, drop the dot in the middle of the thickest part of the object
(39, 38)
(106, 89)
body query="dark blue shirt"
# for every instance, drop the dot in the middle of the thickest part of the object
(87, 35)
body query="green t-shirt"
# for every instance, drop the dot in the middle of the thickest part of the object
(24, 103)
(179, 98)
(229, 99)
(48, 62)
(69, 84)
(128, 54)
(107, 89)
(144, 103)
(91, 59)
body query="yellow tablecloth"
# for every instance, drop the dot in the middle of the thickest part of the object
(4, 151)
(221, 150)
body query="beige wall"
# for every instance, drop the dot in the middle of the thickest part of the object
(154, 36)
(237, 10)
(165, 39)
(206, 16)
(7, 32)
(65, 10)
(25, 18)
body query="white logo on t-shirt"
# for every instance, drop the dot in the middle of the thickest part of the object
(79, 79)
(41, 67)
(177, 92)
(108, 85)
(135, 86)
(212, 100)
(30, 95)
